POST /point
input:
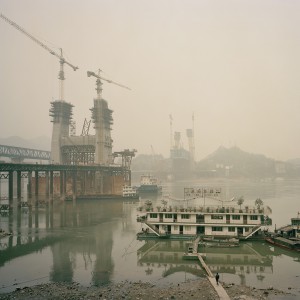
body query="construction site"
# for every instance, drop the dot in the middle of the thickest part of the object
(105, 176)
(93, 149)
(182, 160)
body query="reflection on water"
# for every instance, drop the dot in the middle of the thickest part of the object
(167, 255)
(94, 242)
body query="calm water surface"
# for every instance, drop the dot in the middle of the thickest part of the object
(94, 242)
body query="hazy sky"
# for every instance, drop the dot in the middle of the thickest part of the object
(234, 64)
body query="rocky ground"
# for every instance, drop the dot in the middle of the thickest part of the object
(196, 289)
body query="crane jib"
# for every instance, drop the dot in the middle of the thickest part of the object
(18, 27)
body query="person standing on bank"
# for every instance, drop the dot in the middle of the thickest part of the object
(217, 278)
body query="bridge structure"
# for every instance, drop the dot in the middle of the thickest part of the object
(64, 181)
(18, 154)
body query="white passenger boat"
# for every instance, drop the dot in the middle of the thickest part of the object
(130, 192)
(219, 222)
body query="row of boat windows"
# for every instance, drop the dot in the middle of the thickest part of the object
(213, 217)
(214, 228)
(230, 229)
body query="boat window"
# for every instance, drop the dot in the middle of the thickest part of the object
(217, 217)
(231, 229)
(217, 228)
(185, 216)
(253, 217)
(236, 217)
(168, 216)
(153, 216)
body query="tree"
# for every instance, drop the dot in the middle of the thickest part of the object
(259, 203)
(164, 202)
(240, 201)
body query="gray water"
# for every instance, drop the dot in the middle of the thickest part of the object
(94, 242)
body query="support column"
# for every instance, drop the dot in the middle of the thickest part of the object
(29, 186)
(61, 182)
(65, 182)
(51, 185)
(10, 186)
(36, 192)
(19, 187)
(47, 185)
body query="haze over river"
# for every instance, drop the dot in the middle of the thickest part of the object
(94, 242)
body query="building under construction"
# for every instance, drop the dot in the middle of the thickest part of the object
(182, 160)
(86, 149)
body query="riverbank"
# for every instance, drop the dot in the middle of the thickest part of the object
(194, 289)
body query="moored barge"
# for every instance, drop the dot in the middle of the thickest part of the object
(288, 236)
(205, 221)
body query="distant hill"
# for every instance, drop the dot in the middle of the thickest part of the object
(235, 162)
(39, 143)
(294, 161)
(226, 162)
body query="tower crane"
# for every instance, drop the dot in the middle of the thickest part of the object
(99, 83)
(62, 61)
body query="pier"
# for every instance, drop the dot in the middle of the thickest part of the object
(194, 254)
(56, 180)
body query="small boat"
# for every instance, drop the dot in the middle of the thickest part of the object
(288, 236)
(286, 243)
(214, 240)
(130, 192)
(149, 184)
(219, 245)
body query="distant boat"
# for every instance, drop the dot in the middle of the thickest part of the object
(130, 192)
(149, 184)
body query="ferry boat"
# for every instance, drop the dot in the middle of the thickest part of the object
(205, 221)
(288, 236)
(130, 192)
(149, 184)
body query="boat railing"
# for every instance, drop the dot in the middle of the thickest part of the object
(203, 210)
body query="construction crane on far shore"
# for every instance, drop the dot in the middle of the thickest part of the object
(62, 61)
(99, 83)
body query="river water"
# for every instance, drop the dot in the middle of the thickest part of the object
(93, 242)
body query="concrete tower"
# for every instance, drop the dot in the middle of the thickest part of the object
(190, 136)
(61, 113)
(102, 119)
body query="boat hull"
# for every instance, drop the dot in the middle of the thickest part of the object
(283, 243)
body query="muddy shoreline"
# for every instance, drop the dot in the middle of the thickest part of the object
(194, 289)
